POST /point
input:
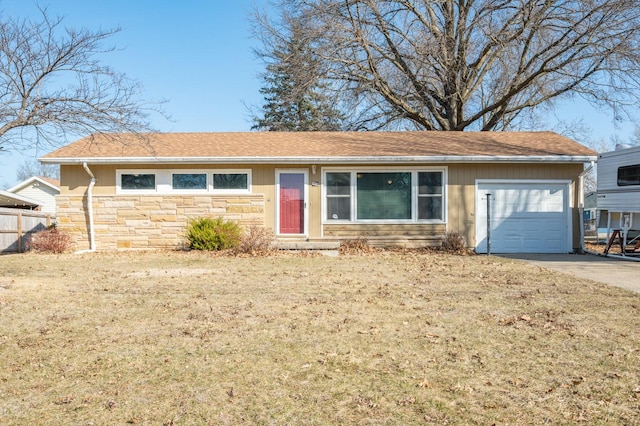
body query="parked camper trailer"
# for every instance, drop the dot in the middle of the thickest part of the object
(619, 194)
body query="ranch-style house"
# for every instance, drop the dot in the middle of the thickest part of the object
(520, 189)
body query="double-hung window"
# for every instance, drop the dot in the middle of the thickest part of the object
(430, 204)
(338, 187)
(373, 195)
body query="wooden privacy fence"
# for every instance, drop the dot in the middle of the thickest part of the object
(17, 224)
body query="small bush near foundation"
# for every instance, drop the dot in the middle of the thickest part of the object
(256, 240)
(213, 234)
(50, 240)
(453, 242)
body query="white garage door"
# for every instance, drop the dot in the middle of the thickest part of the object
(526, 217)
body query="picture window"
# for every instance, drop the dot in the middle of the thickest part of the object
(371, 195)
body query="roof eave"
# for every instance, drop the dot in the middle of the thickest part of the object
(19, 200)
(30, 181)
(328, 160)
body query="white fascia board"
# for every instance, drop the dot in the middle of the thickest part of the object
(325, 160)
(18, 199)
(30, 181)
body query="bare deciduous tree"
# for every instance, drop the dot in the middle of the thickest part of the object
(472, 64)
(30, 168)
(52, 82)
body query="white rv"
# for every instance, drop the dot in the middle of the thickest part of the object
(619, 193)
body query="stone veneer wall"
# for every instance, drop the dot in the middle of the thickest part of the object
(150, 221)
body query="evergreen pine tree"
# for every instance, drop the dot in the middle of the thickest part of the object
(293, 92)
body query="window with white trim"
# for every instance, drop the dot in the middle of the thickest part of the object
(338, 190)
(231, 181)
(389, 195)
(138, 181)
(430, 189)
(187, 181)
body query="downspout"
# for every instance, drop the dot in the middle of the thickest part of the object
(92, 237)
(581, 207)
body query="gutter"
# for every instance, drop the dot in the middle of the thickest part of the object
(92, 237)
(329, 160)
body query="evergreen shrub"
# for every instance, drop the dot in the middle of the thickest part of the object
(206, 233)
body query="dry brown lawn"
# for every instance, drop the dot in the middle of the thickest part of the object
(384, 338)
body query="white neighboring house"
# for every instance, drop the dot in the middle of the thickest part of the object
(43, 190)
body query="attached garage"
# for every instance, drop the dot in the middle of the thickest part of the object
(524, 216)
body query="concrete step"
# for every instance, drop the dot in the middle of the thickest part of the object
(308, 245)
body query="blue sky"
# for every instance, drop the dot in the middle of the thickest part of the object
(196, 54)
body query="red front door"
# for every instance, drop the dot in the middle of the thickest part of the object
(292, 203)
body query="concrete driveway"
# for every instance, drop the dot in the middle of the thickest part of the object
(607, 270)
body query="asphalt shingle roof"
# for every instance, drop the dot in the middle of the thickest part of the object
(317, 145)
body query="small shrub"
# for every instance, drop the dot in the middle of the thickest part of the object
(453, 242)
(256, 240)
(213, 234)
(50, 240)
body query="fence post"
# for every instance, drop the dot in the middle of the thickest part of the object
(20, 232)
